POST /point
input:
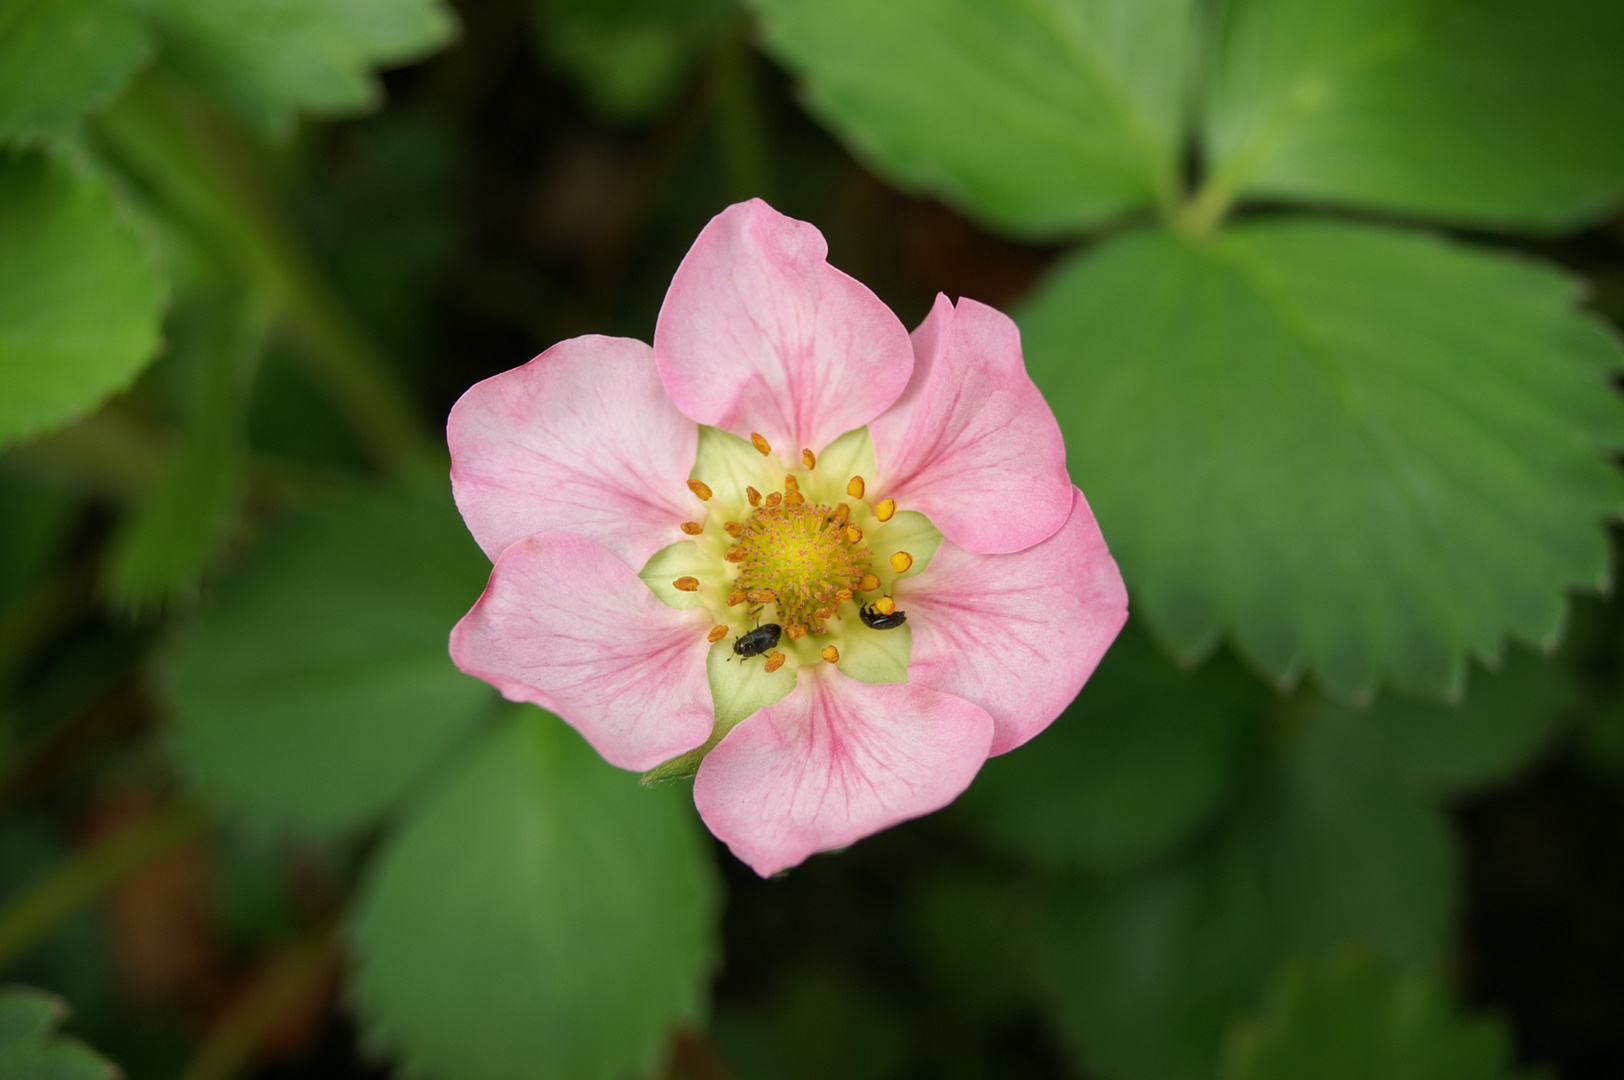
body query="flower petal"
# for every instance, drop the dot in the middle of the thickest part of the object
(971, 442)
(759, 333)
(1017, 634)
(834, 762)
(583, 439)
(568, 626)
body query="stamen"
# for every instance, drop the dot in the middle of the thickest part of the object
(735, 598)
(700, 488)
(735, 554)
(774, 499)
(761, 596)
(796, 631)
(842, 595)
(901, 561)
(854, 535)
(733, 529)
(809, 459)
(774, 662)
(868, 584)
(842, 513)
(718, 632)
(855, 488)
(831, 654)
(760, 444)
(686, 584)
(692, 528)
(885, 605)
(794, 498)
(790, 483)
(753, 495)
(823, 614)
(886, 508)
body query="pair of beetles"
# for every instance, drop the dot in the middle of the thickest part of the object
(765, 637)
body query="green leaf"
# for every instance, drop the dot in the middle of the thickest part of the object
(541, 917)
(164, 546)
(1130, 769)
(80, 298)
(60, 59)
(1038, 116)
(30, 1049)
(1337, 848)
(1349, 1019)
(1506, 718)
(630, 56)
(315, 686)
(1357, 450)
(272, 59)
(1488, 112)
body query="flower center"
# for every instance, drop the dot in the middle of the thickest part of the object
(810, 558)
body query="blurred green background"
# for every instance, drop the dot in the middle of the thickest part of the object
(1325, 294)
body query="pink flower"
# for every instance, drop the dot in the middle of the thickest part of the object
(784, 456)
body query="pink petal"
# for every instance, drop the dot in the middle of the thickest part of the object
(583, 439)
(834, 762)
(759, 333)
(971, 443)
(1017, 634)
(566, 625)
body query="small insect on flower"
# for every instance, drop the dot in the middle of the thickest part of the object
(762, 639)
(877, 620)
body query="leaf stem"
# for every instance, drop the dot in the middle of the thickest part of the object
(285, 982)
(83, 877)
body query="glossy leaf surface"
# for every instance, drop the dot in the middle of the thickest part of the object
(1359, 451)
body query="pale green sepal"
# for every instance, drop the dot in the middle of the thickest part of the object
(741, 687)
(681, 767)
(908, 531)
(728, 464)
(875, 656)
(685, 558)
(851, 454)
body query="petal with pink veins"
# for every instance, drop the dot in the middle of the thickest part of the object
(568, 626)
(835, 761)
(971, 442)
(581, 439)
(759, 333)
(1017, 634)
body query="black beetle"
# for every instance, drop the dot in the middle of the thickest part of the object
(758, 641)
(875, 621)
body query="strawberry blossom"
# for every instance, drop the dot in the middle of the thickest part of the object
(823, 566)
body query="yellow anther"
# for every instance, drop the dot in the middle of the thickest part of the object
(733, 529)
(886, 509)
(736, 554)
(761, 596)
(753, 495)
(774, 662)
(774, 499)
(855, 488)
(854, 535)
(700, 488)
(831, 654)
(692, 528)
(790, 483)
(868, 584)
(842, 513)
(796, 631)
(760, 444)
(809, 459)
(842, 595)
(885, 605)
(794, 498)
(718, 632)
(735, 598)
(686, 584)
(824, 613)
(901, 561)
